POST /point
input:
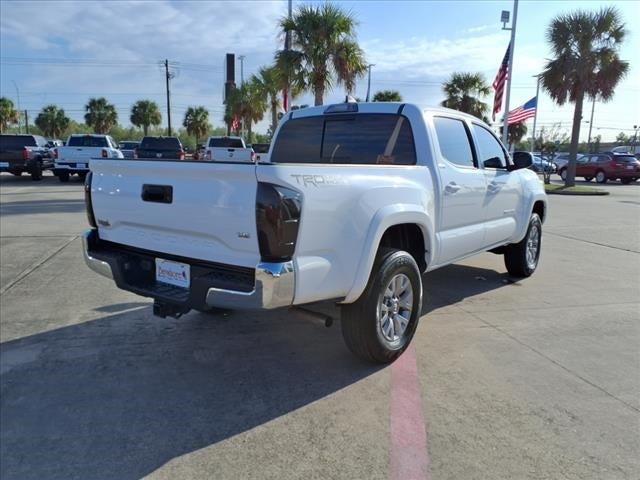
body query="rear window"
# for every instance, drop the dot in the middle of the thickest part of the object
(346, 139)
(625, 158)
(17, 141)
(160, 143)
(226, 142)
(88, 141)
(128, 145)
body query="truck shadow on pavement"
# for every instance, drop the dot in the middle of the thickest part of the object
(42, 206)
(120, 396)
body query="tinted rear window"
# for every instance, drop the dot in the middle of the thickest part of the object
(16, 141)
(88, 141)
(346, 139)
(454, 142)
(160, 143)
(625, 158)
(226, 142)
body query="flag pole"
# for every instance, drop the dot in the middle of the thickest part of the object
(505, 122)
(535, 117)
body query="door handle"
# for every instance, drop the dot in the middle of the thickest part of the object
(157, 193)
(452, 188)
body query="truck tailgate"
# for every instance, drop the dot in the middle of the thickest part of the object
(195, 210)
(78, 154)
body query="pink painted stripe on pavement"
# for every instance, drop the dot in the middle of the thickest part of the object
(409, 456)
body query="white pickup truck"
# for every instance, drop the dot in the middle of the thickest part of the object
(228, 149)
(74, 157)
(356, 202)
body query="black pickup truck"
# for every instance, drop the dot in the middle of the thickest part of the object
(25, 153)
(160, 147)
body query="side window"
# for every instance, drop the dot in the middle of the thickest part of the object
(522, 155)
(454, 141)
(490, 152)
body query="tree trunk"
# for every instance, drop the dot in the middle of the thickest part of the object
(274, 115)
(145, 129)
(318, 91)
(249, 131)
(575, 137)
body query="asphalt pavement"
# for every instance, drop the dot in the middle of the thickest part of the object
(531, 379)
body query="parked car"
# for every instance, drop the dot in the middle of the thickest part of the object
(128, 147)
(562, 160)
(262, 151)
(335, 214)
(537, 162)
(24, 153)
(54, 142)
(606, 166)
(160, 147)
(73, 159)
(228, 149)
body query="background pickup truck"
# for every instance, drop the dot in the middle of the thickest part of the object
(160, 147)
(74, 157)
(357, 201)
(228, 149)
(25, 153)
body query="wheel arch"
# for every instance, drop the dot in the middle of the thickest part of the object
(398, 226)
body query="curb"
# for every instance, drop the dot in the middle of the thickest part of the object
(596, 193)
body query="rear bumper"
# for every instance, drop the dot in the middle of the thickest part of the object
(59, 168)
(269, 285)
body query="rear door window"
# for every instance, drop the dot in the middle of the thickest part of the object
(11, 142)
(361, 139)
(488, 146)
(454, 142)
(160, 143)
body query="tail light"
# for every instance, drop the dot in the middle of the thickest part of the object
(181, 154)
(87, 200)
(278, 212)
(105, 154)
(135, 153)
(253, 156)
(208, 156)
(25, 154)
(55, 153)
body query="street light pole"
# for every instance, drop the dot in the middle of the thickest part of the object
(535, 117)
(241, 58)
(369, 81)
(512, 47)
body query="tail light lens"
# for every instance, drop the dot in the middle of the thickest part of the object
(253, 156)
(135, 153)
(278, 212)
(208, 155)
(87, 200)
(25, 153)
(181, 154)
(105, 154)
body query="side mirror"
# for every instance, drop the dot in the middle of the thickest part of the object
(493, 162)
(522, 161)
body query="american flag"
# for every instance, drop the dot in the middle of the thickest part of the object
(520, 114)
(498, 83)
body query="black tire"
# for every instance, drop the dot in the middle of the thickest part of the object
(563, 174)
(588, 179)
(515, 255)
(82, 176)
(63, 177)
(361, 330)
(626, 180)
(17, 174)
(36, 172)
(601, 177)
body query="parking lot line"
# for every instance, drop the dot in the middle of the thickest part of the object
(409, 457)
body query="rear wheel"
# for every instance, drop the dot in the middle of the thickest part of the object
(521, 259)
(63, 177)
(379, 326)
(563, 174)
(601, 177)
(36, 171)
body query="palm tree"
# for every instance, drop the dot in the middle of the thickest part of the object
(101, 115)
(8, 114)
(515, 133)
(464, 91)
(247, 104)
(387, 96)
(145, 113)
(52, 121)
(196, 121)
(585, 46)
(271, 81)
(323, 51)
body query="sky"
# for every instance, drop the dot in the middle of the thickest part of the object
(64, 52)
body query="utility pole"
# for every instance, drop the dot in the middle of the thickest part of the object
(535, 117)
(26, 120)
(168, 77)
(369, 80)
(593, 107)
(512, 47)
(18, 97)
(241, 58)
